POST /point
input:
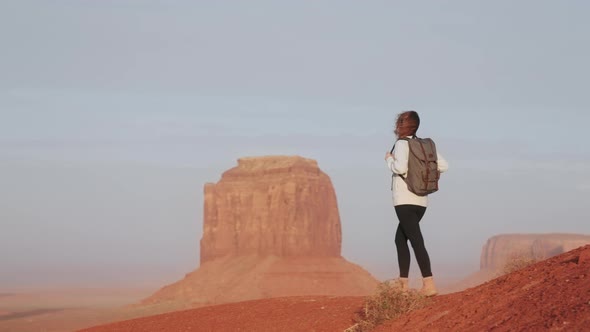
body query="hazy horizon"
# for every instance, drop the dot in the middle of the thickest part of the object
(116, 113)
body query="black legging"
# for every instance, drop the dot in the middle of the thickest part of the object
(409, 229)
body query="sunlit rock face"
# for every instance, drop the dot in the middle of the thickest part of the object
(282, 206)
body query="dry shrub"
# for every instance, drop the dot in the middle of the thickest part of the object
(517, 262)
(387, 303)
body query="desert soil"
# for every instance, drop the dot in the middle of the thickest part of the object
(68, 309)
(552, 295)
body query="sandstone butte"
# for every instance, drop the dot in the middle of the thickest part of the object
(271, 228)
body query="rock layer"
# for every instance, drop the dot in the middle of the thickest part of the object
(282, 206)
(502, 248)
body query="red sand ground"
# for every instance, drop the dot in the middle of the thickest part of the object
(550, 295)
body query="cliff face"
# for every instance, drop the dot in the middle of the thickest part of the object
(282, 206)
(501, 248)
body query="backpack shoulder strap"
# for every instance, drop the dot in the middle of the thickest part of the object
(403, 139)
(393, 148)
(399, 139)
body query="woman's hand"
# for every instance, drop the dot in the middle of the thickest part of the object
(388, 154)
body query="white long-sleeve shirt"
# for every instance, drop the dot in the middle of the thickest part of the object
(398, 164)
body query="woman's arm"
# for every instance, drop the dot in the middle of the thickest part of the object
(398, 162)
(443, 165)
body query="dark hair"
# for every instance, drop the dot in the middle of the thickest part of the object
(407, 124)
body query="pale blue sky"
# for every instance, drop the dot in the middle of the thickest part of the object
(113, 115)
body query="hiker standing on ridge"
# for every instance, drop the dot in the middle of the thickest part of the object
(416, 167)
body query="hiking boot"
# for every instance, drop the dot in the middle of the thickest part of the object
(428, 288)
(400, 284)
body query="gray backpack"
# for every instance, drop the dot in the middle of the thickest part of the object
(423, 174)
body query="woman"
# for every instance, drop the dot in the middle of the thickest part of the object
(409, 207)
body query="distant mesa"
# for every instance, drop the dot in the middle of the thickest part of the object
(271, 228)
(499, 249)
